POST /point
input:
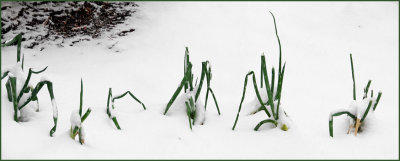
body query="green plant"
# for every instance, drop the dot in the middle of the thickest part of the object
(20, 91)
(273, 110)
(110, 112)
(357, 111)
(192, 91)
(77, 120)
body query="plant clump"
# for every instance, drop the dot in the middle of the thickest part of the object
(268, 98)
(20, 90)
(77, 119)
(194, 109)
(358, 109)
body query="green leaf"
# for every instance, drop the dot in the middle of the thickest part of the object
(366, 111)
(86, 114)
(265, 121)
(338, 114)
(377, 100)
(188, 114)
(81, 101)
(354, 80)
(243, 96)
(366, 89)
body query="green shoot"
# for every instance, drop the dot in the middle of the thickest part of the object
(366, 89)
(353, 116)
(187, 84)
(354, 80)
(377, 100)
(265, 121)
(15, 96)
(272, 95)
(17, 39)
(78, 129)
(111, 99)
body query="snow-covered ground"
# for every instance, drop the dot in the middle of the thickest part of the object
(316, 37)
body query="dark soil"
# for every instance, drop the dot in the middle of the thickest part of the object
(63, 19)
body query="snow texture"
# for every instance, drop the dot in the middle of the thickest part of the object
(316, 38)
(55, 110)
(75, 119)
(82, 133)
(200, 113)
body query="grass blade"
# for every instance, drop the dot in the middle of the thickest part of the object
(5, 74)
(203, 73)
(9, 93)
(13, 83)
(116, 123)
(192, 110)
(108, 100)
(36, 90)
(265, 121)
(17, 39)
(133, 96)
(22, 64)
(27, 81)
(277, 108)
(338, 114)
(86, 114)
(273, 80)
(366, 111)
(54, 105)
(261, 74)
(215, 100)
(279, 43)
(366, 89)
(279, 90)
(137, 100)
(280, 83)
(74, 132)
(81, 101)
(176, 93)
(178, 90)
(354, 80)
(267, 85)
(188, 113)
(208, 78)
(244, 94)
(377, 100)
(205, 103)
(331, 127)
(11, 42)
(259, 96)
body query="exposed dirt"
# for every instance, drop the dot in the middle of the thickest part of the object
(41, 22)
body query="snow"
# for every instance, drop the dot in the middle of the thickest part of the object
(316, 38)
(112, 110)
(75, 119)
(359, 107)
(16, 71)
(55, 110)
(82, 133)
(200, 112)
(44, 78)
